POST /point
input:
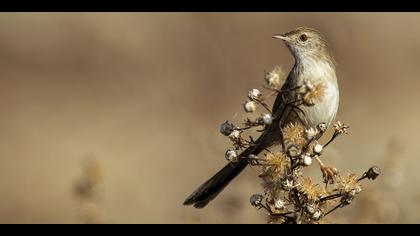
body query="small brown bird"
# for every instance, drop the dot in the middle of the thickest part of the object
(314, 64)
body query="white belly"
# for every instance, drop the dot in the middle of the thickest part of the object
(325, 109)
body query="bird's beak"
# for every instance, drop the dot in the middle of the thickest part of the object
(281, 36)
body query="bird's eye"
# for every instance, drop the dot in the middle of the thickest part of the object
(303, 37)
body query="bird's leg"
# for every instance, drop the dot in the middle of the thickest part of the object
(328, 173)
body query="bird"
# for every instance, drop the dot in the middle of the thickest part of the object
(314, 64)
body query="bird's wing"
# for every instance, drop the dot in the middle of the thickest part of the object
(282, 95)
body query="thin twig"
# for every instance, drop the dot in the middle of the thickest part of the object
(335, 135)
(335, 208)
(281, 214)
(331, 197)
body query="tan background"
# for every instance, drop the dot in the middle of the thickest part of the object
(145, 93)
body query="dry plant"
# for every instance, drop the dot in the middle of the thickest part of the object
(288, 195)
(88, 190)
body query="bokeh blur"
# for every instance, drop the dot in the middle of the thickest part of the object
(133, 102)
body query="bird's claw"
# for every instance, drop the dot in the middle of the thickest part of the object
(329, 174)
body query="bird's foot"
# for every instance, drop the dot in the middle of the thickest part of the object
(328, 173)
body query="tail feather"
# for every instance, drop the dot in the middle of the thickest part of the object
(212, 187)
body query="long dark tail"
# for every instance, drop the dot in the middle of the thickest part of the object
(212, 187)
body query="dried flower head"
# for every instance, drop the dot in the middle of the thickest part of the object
(349, 184)
(274, 78)
(310, 189)
(293, 133)
(322, 127)
(235, 135)
(341, 128)
(226, 128)
(256, 200)
(279, 204)
(267, 119)
(231, 155)
(313, 94)
(311, 208)
(318, 149)
(287, 184)
(373, 172)
(293, 151)
(276, 164)
(306, 159)
(254, 94)
(250, 106)
(311, 133)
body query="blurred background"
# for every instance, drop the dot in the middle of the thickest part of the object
(114, 117)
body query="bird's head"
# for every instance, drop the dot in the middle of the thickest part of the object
(306, 42)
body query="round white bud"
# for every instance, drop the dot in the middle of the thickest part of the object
(250, 106)
(279, 204)
(267, 119)
(307, 160)
(235, 135)
(274, 78)
(231, 155)
(317, 215)
(318, 148)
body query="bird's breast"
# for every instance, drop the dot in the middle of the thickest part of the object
(325, 107)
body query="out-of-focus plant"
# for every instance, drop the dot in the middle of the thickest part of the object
(88, 190)
(383, 203)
